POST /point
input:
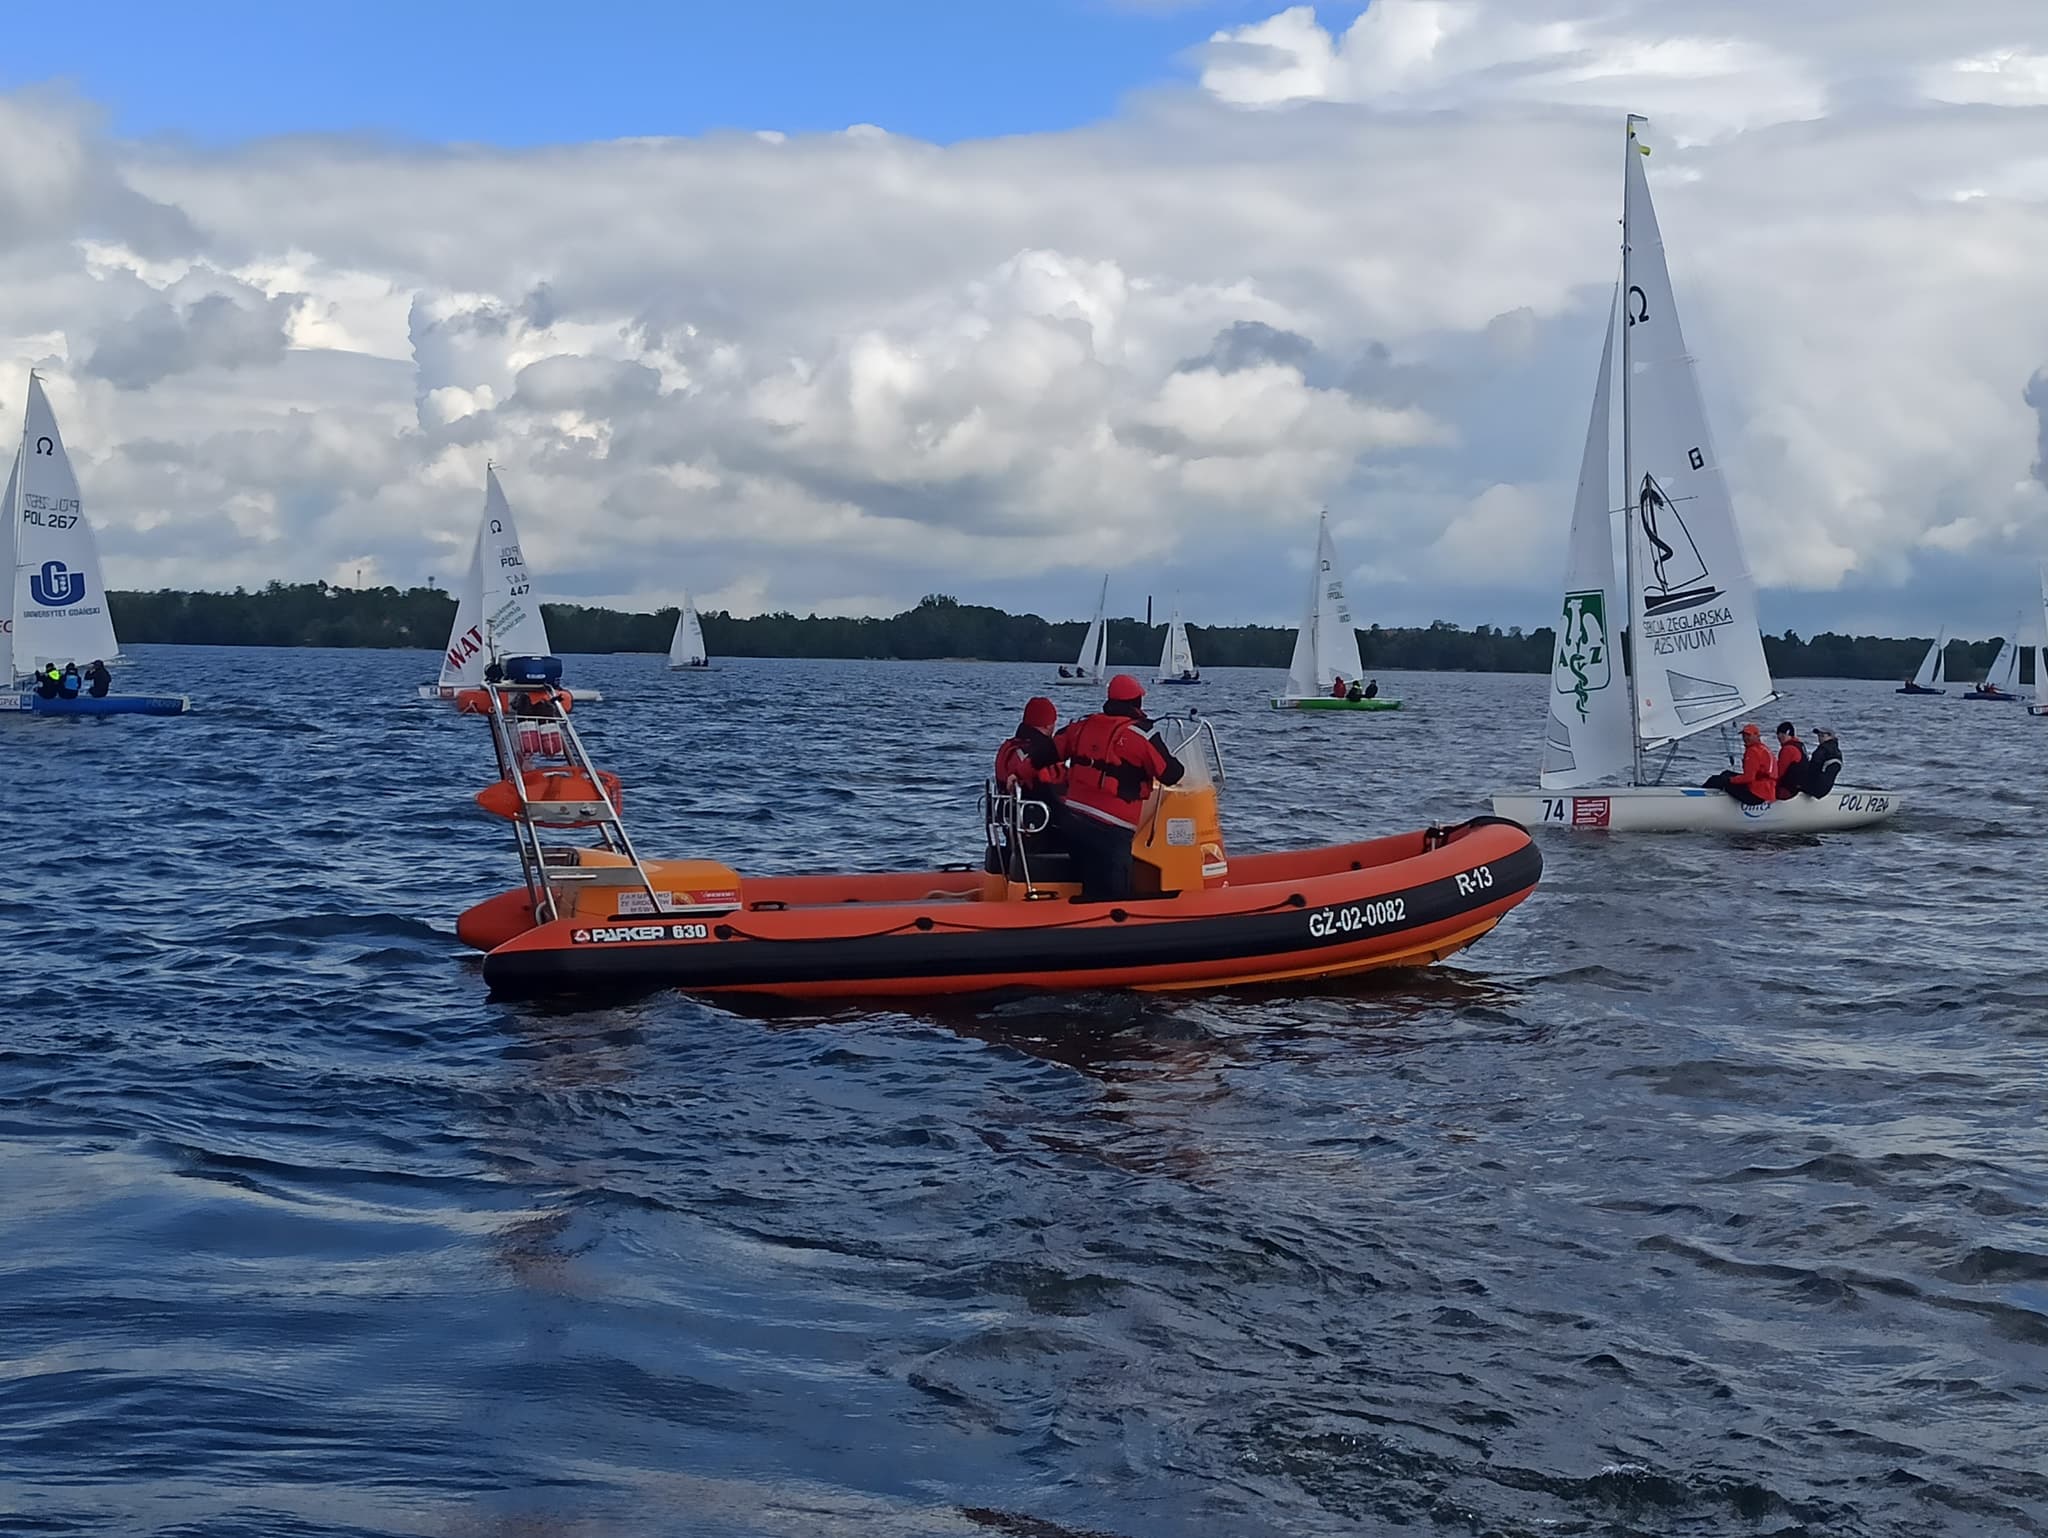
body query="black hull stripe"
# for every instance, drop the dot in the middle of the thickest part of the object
(1048, 953)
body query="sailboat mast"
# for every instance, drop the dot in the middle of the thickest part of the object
(1628, 473)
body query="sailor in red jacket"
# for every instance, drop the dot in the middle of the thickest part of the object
(1791, 769)
(1757, 780)
(1030, 757)
(1112, 766)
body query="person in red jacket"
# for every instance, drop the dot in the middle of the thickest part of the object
(1791, 770)
(1757, 780)
(1112, 766)
(1030, 757)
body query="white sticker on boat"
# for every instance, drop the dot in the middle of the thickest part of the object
(618, 934)
(1180, 832)
(1477, 879)
(1354, 918)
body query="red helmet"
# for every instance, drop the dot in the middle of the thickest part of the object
(1040, 713)
(1751, 729)
(1125, 687)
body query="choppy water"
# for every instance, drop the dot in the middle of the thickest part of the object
(1703, 1197)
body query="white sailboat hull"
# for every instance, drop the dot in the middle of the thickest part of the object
(1692, 809)
(1078, 683)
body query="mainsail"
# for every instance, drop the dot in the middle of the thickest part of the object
(1094, 656)
(2041, 651)
(687, 649)
(1931, 665)
(497, 614)
(1326, 646)
(2004, 672)
(1589, 735)
(59, 608)
(1176, 657)
(1697, 641)
(10, 513)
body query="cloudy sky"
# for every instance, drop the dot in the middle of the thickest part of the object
(985, 299)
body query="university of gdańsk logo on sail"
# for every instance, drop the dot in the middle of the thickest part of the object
(1583, 665)
(1682, 618)
(56, 586)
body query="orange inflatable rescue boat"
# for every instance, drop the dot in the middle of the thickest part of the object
(601, 919)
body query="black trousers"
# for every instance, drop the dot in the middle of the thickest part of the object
(1101, 855)
(1724, 781)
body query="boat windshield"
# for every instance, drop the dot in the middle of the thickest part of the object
(1192, 740)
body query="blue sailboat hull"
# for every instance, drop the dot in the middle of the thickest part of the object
(29, 703)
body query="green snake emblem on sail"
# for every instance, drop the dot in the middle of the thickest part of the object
(1583, 664)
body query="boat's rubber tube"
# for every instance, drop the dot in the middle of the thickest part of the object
(1310, 913)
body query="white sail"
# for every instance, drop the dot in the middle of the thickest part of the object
(2041, 651)
(2004, 672)
(1094, 656)
(1176, 657)
(9, 513)
(60, 603)
(1698, 645)
(1931, 665)
(687, 649)
(1326, 646)
(463, 662)
(498, 614)
(1590, 735)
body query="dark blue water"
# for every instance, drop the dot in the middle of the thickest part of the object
(1703, 1197)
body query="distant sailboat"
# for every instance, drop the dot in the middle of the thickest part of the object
(1092, 666)
(497, 612)
(1687, 597)
(686, 651)
(1177, 657)
(56, 601)
(2040, 705)
(1326, 647)
(2002, 679)
(1933, 669)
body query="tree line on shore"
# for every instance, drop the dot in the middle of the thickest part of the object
(320, 614)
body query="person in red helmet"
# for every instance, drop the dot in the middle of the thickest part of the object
(1757, 780)
(1030, 756)
(1112, 765)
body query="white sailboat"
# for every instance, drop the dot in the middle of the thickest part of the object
(1933, 669)
(1177, 657)
(2002, 678)
(2040, 705)
(1092, 666)
(1688, 595)
(1326, 646)
(497, 612)
(686, 650)
(56, 601)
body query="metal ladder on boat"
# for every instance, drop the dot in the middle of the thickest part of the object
(538, 734)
